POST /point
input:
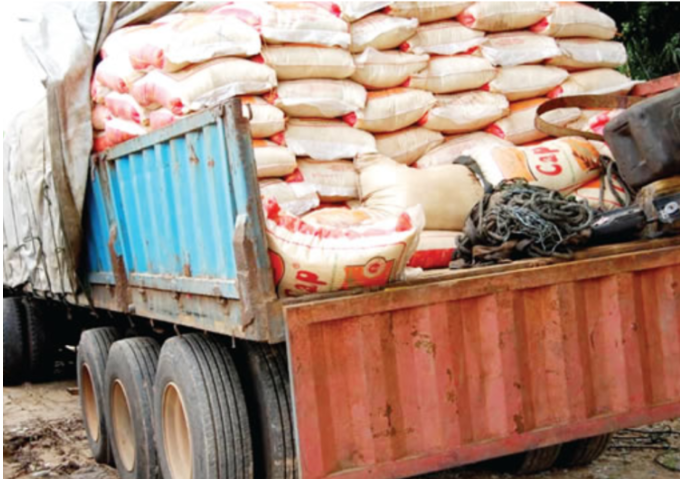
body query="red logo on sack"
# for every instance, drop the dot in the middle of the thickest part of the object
(278, 267)
(374, 273)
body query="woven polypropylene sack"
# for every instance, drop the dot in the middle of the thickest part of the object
(426, 12)
(353, 11)
(124, 106)
(392, 109)
(572, 19)
(334, 181)
(303, 22)
(435, 249)
(457, 146)
(518, 48)
(443, 38)
(601, 81)
(327, 139)
(504, 16)
(527, 81)
(99, 116)
(584, 53)
(465, 112)
(316, 98)
(273, 160)
(116, 73)
(380, 70)
(450, 74)
(599, 193)
(408, 145)
(265, 119)
(297, 62)
(381, 32)
(119, 131)
(297, 198)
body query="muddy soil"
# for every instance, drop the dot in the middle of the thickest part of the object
(43, 436)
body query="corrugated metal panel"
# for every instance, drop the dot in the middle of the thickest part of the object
(426, 382)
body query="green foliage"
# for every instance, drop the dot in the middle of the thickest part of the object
(651, 33)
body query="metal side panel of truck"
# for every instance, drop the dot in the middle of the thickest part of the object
(418, 377)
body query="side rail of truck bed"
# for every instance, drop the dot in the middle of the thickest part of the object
(484, 364)
(174, 229)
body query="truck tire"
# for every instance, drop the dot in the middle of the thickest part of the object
(130, 373)
(583, 451)
(529, 462)
(264, 374)
(40, 343)
(93, 352)
(13, 344)
(201, 420)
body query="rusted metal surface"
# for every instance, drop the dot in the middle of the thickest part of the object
(658, 85)
(429, 377)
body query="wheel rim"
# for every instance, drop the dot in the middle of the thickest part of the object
(90, 407)
(176, 434)
(123, 430)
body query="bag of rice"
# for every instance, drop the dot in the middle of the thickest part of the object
(273, 161)
(265, 119)
(116, 73)
(447, 193)
(377, 70)
(309, 259)
(581, 123)
(435, 249)
(341, 216)
(100, 142)
(333, 181)
(504, 16)
(465, 112)
(203, 85)
(598, 122)
(391, 110)
(458, 145)
(406, 146)
(303, 22)
(295, 198)
(443, 38)
(99, 116)
(572, 19)
(526, 81)
(453, 74)
(582, 53)
(600, 193)
(517, 48)
(601, 81)
(519, 127)
(119, 131)
(318, 98)
(161, 118)
(426, 12)
(98, 91)
(297, 62)
(561, 165)
(353, 11)
(325, 139)
(194, 38)
(381, 32)
(125, 107)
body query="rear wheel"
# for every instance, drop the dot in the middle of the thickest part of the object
(264, 373)
(130, 373)
(201, 420)
(40, 343)
(583, 451)
(530, 462)
(13, 344)
(93, 352)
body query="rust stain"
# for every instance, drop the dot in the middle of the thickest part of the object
(193, 157)
(519, 423)
(186, 270)
(451, 397)
(211, 163)
(425, 343)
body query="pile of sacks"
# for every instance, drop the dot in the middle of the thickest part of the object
(358, 112)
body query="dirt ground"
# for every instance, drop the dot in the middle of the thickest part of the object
(43, 436)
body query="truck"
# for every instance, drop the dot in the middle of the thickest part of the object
(189, 361)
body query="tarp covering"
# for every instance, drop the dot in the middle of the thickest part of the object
(46, 151)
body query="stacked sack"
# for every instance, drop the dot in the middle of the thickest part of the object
(359, 110)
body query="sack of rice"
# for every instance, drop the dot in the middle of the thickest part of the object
(272, 160)
(597, 123)
(581, 123)
(518, 48)
(457, 146)
(333, 181)
(297, 62)
(519, 127)
(443, 38)
(120, 42)
(99, 116)
(391, 110)
(447, 193)
(406, 146)
(341, 217)
(98, 91)
(116, 73)
(119, 131)
(561, 165)
(315, 259)
(295, 198)
(161, 118)
(326, 139)
(125, 107)
(100, 142)
(504, 16)
(381, 32)
(582, 53)
(353, 11)
(194, 38)
(203, 85)
(602, 194)
(526, 81)
(465, 112)
(380, 70)
(426, 12)
(453, 74)
(572, 19)
(265, 120)
(303, 22)
(318, 98)
(601, 81)
(435, 249)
